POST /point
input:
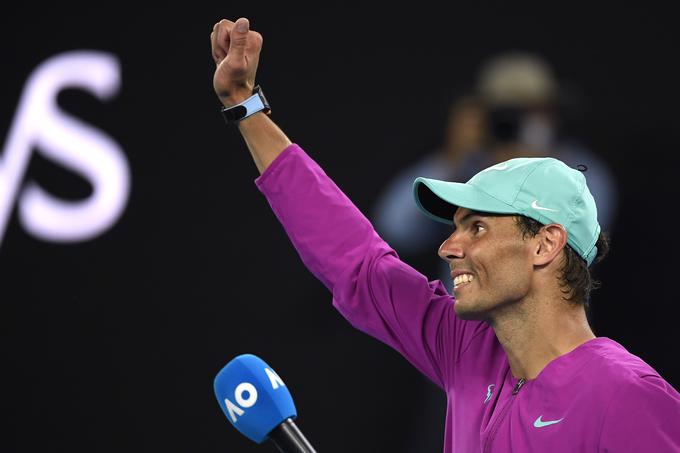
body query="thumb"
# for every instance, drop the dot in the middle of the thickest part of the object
(238, 38)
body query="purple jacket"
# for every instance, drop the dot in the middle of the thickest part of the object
(598, 397)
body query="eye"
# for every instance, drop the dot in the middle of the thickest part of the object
(477, 227)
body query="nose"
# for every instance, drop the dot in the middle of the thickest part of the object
(450, 249)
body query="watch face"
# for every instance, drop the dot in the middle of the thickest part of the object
(234, 113)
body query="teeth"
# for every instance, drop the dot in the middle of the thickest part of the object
(463, 278)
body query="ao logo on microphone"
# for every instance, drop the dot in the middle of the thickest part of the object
(40, 124)
(245, 395)
(253, 397)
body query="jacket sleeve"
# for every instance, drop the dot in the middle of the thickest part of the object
(372, 288)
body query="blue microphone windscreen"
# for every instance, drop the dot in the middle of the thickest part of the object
(253, 397)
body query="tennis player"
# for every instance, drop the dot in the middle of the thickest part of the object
(513, 349)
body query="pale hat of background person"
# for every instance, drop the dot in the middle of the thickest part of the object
(517, 78)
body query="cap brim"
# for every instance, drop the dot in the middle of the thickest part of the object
(440, 199)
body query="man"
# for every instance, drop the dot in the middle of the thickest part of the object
(514, 353)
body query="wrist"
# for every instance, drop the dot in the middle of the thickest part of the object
(232, 100)
(237, 93)
(254, 103)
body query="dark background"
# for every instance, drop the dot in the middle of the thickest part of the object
(112, 344)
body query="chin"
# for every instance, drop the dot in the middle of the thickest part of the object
(468, 311)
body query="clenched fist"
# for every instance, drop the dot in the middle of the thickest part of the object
(236, 51)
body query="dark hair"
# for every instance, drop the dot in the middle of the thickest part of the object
(575, 278)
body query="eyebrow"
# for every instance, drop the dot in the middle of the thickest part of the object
(465, 218)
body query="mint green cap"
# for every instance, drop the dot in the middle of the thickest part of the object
(544, 189)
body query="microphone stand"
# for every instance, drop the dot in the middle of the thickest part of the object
(288, 438)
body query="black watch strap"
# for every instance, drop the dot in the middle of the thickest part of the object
(255, 103)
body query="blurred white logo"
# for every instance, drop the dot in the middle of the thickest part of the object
(39, 124)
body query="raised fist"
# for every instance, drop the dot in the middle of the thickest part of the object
(236, 51)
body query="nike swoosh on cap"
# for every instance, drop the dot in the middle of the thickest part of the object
(535, 205)
(540, 423)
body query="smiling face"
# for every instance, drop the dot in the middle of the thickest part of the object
(491, 263)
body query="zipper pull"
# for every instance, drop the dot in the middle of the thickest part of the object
(518, 386)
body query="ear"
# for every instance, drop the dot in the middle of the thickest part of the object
(550, 241)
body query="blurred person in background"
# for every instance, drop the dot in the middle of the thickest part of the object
(516, 111)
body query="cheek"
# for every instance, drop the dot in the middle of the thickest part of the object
(514, 280)
(507, 270)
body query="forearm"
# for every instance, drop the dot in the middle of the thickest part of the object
(236, 51)
(264, 139)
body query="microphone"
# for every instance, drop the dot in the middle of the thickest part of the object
(257, 402)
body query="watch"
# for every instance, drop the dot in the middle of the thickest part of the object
(255, 103)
